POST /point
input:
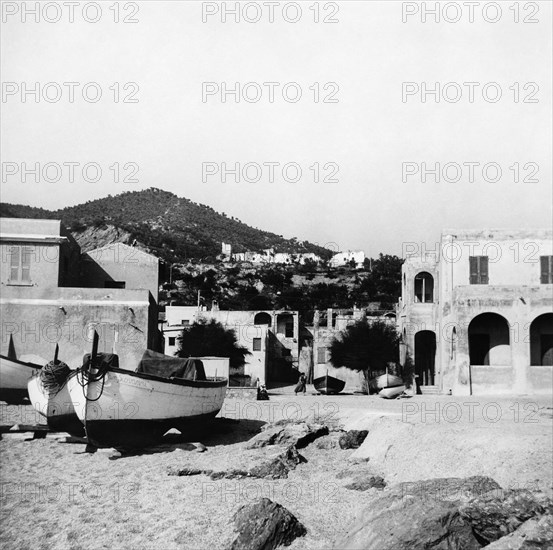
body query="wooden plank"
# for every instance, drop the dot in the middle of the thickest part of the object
(22, 428)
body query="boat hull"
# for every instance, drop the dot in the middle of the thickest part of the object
(391, 393)
(58, 408)
(328, 385)
(131, 410)
(387, 381)
(14, 376)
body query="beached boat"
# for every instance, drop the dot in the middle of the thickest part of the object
(125, 409)
(387, 381)
(328, 384)
(391, 393)
(14, 375)
(56, 405)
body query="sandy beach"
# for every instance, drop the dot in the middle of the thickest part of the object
(56, 496)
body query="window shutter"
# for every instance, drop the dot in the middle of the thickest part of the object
(473, 263)
(14, 263)
(321, 355)
(25, 265)
(546, 270)
(483, 270)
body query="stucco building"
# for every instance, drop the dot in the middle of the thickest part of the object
(476, 312)
(344, 258)
(44, 300)
(270, 336)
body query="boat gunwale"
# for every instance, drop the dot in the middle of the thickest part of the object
(175, 381)
(22, 363)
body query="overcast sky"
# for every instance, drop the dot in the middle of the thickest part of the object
(368, 132)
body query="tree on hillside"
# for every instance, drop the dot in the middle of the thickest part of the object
(209, 338)
(386, 275)
(381, 283)
(365, 346)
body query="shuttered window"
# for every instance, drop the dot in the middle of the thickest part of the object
(321, 355)
(257, 344)
(20, 265)
(546, 264)
(478, 270)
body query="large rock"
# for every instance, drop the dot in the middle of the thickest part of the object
(410, 524)
(498, 513)
(419, 515)
(534, 534)
(264, 525)
(299, 434)
(353, 439)
(278, 467)
(451, 489)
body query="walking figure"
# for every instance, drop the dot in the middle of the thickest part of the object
(301, 385)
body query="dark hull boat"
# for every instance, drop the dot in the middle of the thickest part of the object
(14, 375)
(124, 409)
(328, 385)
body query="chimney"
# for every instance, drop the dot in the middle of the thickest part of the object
(316, 318)
(329, 317)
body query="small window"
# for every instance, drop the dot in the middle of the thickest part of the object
(185, 322)
(172, 340)
(424, 288)
(257, 344)
(114, 284)
(478, 270)
(20, 265)
(546, 264)
(321, 355)
(289, 330)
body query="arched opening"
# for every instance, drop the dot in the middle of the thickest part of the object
(489, 340)
(262, 318)
(425, 357)
(541, 340)
(424, 287)
(285, 325)
(390, 315)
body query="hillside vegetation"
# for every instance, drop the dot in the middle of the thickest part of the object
(173, 228)
(188, 237)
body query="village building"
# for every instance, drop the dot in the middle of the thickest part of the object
(271, 337)
(345, 258)
(118, 265)
(267, 256)
(50, 295)
(476, 312)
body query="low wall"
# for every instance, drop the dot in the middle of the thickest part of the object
(242, 393)
(216, 367)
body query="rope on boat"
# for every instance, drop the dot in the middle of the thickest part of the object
(87, 377)
(53, 376)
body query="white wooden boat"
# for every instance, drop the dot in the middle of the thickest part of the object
(388, 381)
(391, 393)
(14, 375)
(57, 407)
(124, 409)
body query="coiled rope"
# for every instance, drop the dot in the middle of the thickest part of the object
(53, 376)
